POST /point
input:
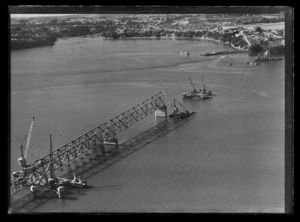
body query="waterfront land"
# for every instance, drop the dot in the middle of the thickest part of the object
(241, 32)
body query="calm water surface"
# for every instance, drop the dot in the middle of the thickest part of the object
(228, 158)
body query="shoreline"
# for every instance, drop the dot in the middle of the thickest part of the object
(128, 38)
(185, 38)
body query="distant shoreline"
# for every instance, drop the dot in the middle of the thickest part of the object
(125, 38)
(181, 38)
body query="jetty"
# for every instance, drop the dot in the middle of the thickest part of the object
(224, 52)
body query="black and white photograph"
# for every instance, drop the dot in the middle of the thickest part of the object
(150, 109)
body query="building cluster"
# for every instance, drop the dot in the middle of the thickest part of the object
(269, 38)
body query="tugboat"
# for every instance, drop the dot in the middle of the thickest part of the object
(266, 57)
(197, 94)
(177, 114)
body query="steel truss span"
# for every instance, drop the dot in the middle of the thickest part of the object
(65, 156)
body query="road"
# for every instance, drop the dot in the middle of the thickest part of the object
(245, 37)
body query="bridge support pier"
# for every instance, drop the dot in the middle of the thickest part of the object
(161, 112)
(117, 144)
(102, 148)
(111, 144)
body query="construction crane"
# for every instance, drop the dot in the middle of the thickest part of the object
(166, 97)
(173, 105)
(24, 151)
(193, 85)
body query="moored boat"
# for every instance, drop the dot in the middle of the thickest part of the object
(184, 53)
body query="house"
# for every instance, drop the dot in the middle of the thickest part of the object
(227, 28)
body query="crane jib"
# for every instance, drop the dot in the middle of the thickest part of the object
(193, 85)
(28, 139)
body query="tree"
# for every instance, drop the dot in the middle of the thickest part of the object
(44, 29)
(157, 34)
(256, 48)
(114, 35)
(258, 29)
(208, 34)
(189, 34)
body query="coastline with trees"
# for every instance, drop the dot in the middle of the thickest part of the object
(29, 33)
(31, 43)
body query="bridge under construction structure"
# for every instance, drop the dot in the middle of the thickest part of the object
(94, 140)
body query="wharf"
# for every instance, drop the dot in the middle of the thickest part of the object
(224, 52)
(266, 59)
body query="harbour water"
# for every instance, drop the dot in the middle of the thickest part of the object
(229, 157)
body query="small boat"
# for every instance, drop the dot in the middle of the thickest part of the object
(184, 53)
(197, 94)
(75, 182)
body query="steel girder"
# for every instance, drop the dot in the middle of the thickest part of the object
(39, 171)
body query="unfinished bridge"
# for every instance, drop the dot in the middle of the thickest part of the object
(93, 140)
